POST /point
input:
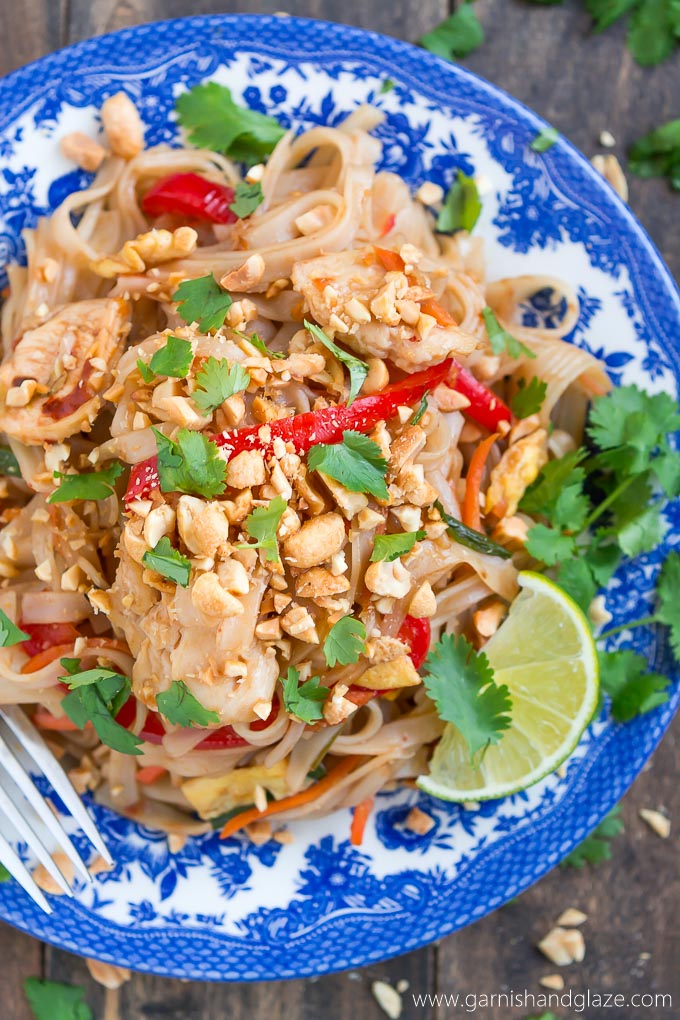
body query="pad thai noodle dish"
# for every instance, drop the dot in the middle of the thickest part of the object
(296, 504)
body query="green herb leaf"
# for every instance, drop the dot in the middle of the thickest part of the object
(605, 12)
(631, 424)
(386, 86)
(305, 701)
(9, 465)
(358, 370)
(247, 197)
(501, 341)
(259, 345)
(653, 32)
(543, 493)
(460, 533)
(544, 140)
(461, 207)
(10, 634)
(202, 301)
(657, 154)
(575, 577)
(214, 121)
(391, 547)
(421, 409)
(357, 463)
(93, 485)
(634, 691)
(145, 371)
(98, 703)
(529, 397)
(596, 847)
(644, 532)
(345, 642)
(4, 874)
(461, 683)
(548, 545)
(168, 562)
(667, 589)
(262, 524)
(217, 381)
(190, 464)
(75, 677)
(174, 359)
(180, 707)
(456, 36)
(52, 1000)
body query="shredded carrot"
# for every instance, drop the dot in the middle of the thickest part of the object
(338, 772)
(149, 774)
(438, 312)
(48, 655)
(44, 720)
(389, 260)
(473, 482)
(359, 819)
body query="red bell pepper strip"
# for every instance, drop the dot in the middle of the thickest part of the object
(222, 739)
(190, 195)
(308, 429)
(416, 634)
(47, 635)
(485, 407)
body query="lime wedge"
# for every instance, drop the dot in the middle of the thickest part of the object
(544, 652)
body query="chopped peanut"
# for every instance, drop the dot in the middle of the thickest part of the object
(246, 277)
(423, 603)
(487, 620)
(123, 126)
(385, 578)
(419, 821)
(317, 541)
(83, 151)
(563, 946)
(208, 595)
(246, 469)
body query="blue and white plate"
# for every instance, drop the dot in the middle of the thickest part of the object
(227, 910)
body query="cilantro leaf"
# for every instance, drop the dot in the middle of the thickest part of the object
(501, 341)
(305, 701)
(631, 424)
(52, 1000)
(387, 86)
(75, 677)
(190, 464)
(667, 589)
(358, 370)
(548, 545)
(470, 538)
(98, 703)
(357, 463)
(653, 32)
(147, 374)
(345, 642)
(543, 493)
(168, 562)
(657, 154)
(605, 12)
(259, 345)
(391, 547)
(214, 121)
(174, 359)
(634, 691)
(217, 381)
(179, 706)
(262, 524)
(644, 532)
(461, 683)
(9, 465)
(666, 467)
(10, 634)
(596, 847)
(247, 197)
(545, 139)
(4, 874)
(92, 485)
(575, 577)
(529, 397)
(456, 36)
(202, 301)
(461, 207)
(603, 557)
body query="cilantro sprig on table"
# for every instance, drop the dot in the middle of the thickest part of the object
(456, 36)
(52, 1000)
(172, 360)
(657, 154)
(214, 121)
(596, 847)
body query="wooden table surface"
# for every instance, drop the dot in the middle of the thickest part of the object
(582, 84)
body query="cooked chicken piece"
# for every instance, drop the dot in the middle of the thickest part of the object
(50, 385)
(371, 309)
(517, 469)
(224, 665)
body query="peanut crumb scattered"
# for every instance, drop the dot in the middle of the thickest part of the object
(388, 998)
(563, 946)
(553, 981)
(657, 822)
(107, 974)
(419, 821)
(571, 918)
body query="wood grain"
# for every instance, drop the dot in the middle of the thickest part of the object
(583, 84)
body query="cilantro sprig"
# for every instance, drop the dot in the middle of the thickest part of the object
(203, 301)
(345, 642)
(544, 140)
(358, 369)
(461, 207)
(501, 341)
(168, 562)
(596, 847)
(391, 547)
(305, 701)
(258, 343)
(182, 708)
(217, 381)
(52, 1000)
(247, 197)
(657, 154)
(173, 359)
(97, 696)
(262, 525)
(461, 683)
(529, 397)
(190, 464)
(91, 485)
(357, 463)
(214, 121)
(456, 36)
(10, 634)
